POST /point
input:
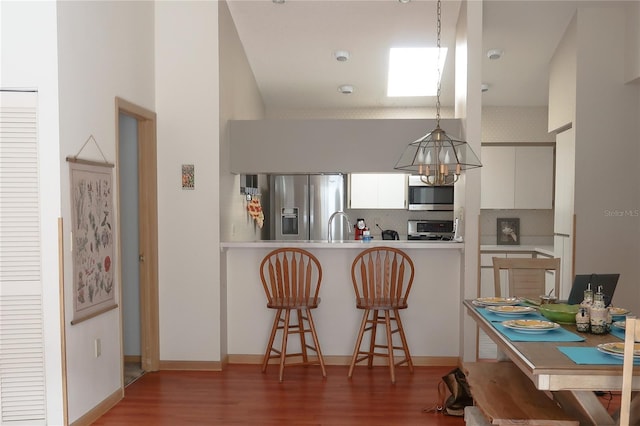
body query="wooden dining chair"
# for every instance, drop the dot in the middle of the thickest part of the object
(291, 278)
(631, 336)
(526, 276)
(382, 278)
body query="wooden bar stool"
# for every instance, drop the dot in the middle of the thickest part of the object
(382, 278)
(291, 279)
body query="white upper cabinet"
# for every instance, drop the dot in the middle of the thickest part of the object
(534, 177)
(378, 191)
(498, 177)
(517, 177)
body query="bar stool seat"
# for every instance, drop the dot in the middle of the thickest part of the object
(382, 278)
(291, 279)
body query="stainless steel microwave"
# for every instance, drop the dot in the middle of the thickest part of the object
(426, 197)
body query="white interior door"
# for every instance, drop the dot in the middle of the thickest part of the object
(22, 375)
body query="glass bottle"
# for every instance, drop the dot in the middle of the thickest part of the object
(583, 317)
(599, 313)
(587, 301)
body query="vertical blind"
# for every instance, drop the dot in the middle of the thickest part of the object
(22, 383)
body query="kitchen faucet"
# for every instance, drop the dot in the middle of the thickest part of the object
(338, 213)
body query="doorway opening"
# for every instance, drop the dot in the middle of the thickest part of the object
(137, 239)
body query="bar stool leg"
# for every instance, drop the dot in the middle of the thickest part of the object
(392, 362)
(363, 325)
(285, 335)
(405, 346)
(316, 342)
(303, 340)
(274, 330)
(372, 344)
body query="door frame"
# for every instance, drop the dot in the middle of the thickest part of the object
(148, 232)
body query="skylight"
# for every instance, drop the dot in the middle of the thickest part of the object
(413, 71)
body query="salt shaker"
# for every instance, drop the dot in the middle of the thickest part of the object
(599, 313)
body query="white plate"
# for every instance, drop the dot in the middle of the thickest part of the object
(496, 301)
(530, 326)
(509, 310)
(617, 311)
(617, 349)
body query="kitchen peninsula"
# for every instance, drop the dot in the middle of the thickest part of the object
(431, 322)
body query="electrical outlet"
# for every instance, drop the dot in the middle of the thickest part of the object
(98, 347)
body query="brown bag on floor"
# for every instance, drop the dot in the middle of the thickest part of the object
(460, 396)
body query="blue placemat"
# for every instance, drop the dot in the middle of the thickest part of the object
(557, 335)
(591, 355)
(618, 332)
(493, 317)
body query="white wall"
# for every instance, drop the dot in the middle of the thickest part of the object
(105, 50)
(607, 150)
(29, 60)
(515, 125)
(468, 107)
(632, 43)
(239, 99)
(187, 104)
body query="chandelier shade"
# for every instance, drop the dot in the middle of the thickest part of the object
(438, 158)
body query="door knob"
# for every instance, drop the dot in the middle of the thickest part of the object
(141, 257)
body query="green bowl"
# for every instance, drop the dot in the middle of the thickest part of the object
(560, 312)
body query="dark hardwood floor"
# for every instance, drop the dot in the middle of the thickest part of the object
(242, 395)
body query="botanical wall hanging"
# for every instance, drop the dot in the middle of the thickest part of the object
(92, 238)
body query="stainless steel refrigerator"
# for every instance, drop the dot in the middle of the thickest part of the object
(300, 207)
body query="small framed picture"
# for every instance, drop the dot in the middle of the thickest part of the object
(188, 176)
(508, 231)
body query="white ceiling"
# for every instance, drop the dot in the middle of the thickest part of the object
(290, 48)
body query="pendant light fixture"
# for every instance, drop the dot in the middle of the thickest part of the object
(437, 157)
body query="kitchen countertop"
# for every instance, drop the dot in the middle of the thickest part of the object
(346, 244)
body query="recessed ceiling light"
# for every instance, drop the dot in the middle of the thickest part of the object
(346, 89)
(404, 1)
(494, 54)
(414, 71)
(341, 55)
(278, 1)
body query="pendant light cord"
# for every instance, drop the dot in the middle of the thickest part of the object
(438, 27)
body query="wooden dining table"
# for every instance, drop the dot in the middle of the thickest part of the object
(571, 385)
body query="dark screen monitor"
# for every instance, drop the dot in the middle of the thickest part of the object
(581, 282)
